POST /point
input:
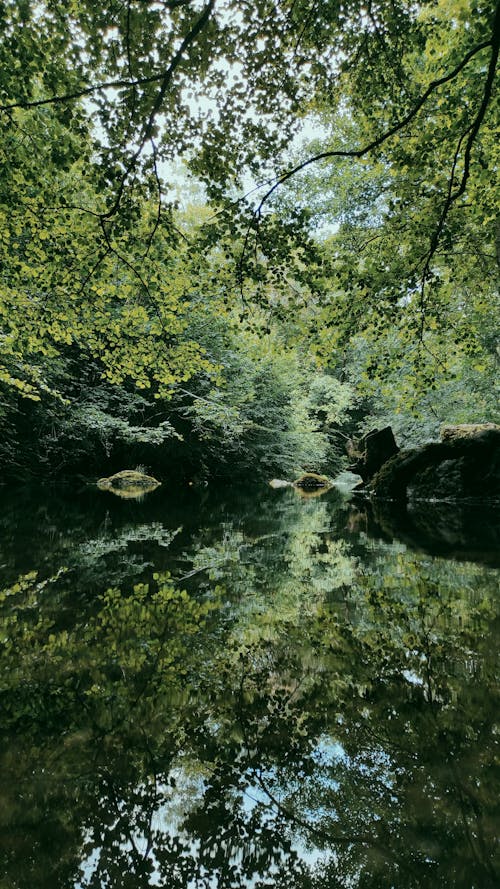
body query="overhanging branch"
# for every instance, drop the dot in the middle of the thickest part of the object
(384, 137)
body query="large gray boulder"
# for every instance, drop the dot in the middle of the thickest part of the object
(371, 451)
(465, 465)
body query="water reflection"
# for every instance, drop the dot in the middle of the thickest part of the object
(241, 690)
(467, 532)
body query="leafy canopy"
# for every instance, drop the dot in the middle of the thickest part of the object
(96, 103)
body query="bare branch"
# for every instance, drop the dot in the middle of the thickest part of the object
(159, 201)
(86, 91)
(93, 270)
(487, 93)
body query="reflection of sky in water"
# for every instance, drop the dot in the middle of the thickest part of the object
(187, 795)
(177, 803)
(412, 677)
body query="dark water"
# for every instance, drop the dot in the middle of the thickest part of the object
(246, 689)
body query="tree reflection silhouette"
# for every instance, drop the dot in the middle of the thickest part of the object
(312, 713)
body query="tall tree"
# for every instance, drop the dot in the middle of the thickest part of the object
(225, 85)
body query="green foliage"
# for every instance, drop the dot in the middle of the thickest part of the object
(144, 635)
(258, 418)
(465, 391)
(272, 411)
(88, 422)
(387, 236)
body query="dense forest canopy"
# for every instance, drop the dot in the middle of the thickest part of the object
(278, 291)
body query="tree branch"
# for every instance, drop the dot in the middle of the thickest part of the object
(384, 137)
(163, 78)
(452, 196)
(86, 91)
(470, 133)
(147, 131)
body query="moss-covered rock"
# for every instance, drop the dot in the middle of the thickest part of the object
(311, 481)
(129, 483)
(466, 430)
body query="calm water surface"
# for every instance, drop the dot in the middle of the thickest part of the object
(246, 689)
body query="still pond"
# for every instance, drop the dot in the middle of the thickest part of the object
(246, 688)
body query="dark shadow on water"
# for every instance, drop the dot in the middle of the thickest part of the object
(459, 531)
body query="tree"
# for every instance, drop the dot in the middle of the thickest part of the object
(98, 103)
(419, 81)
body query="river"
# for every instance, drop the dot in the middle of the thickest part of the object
(246, 688)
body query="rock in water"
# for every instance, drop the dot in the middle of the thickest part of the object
(311, 480)
(465, 466)
(129, 483)
(371, 451)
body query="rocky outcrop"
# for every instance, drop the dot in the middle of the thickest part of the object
(465, 465)
(129, 483)
(466, 430)
(371, 451)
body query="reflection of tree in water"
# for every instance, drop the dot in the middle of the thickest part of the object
(301, 719)
(405, 683)
(282, 573)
